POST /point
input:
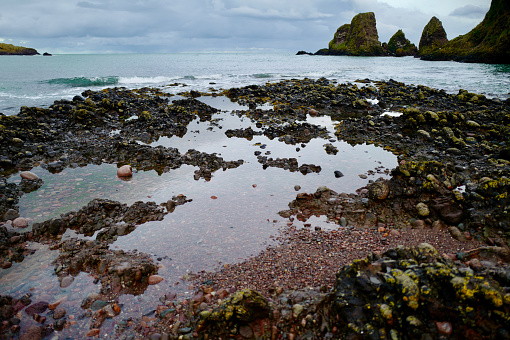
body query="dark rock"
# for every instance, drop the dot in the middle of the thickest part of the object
(10, 214)
(400, 46)
(38, 307)
(59, 313)
(32, 333)
(432, 37)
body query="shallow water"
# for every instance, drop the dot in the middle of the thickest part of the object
(232, 216)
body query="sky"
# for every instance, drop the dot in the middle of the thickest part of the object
(168, 26)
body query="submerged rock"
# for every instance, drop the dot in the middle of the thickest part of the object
(125, 171)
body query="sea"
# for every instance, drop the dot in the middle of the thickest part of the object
(40, 80)
(233, 216)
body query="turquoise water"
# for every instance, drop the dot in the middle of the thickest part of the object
(38, 80)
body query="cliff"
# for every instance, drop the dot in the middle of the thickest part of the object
(400, 46)
(489, 42)
(358, 38)
(8, 49)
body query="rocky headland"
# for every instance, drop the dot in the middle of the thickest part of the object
(486, 43)
(9, 49)
(424, 252)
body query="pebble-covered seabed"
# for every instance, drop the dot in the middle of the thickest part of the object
(276, 189)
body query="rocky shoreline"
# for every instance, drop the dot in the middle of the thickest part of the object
(446, 203)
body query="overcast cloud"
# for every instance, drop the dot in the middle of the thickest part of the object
(157, 26)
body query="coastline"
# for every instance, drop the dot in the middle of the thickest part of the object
(443, 141)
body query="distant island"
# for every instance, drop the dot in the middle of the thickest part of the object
(489, 42)
(9, 49)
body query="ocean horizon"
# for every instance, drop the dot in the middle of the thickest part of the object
(40, 80)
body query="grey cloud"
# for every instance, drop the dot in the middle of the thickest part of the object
(469, 11)
(196, 25)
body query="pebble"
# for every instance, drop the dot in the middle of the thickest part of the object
(66, 281)
(297, 309)
(338, 174)
(343, 221)
(98, 304)
(59, 313)
(20, 222)
(54, 305)
(394, 232)
(32, 333)
(155, 279)
(423, 209)
(10, 214)
(444, 328)
(93, 332)
(36, 308)
(297, 187)
(457, 234)
(246, 331)
(29, 175)
(125, 171)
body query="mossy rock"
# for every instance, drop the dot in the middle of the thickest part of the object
(243, 307)
(400, 46)
(359, 38)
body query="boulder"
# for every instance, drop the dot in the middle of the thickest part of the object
(125, 171)
(29, 175)
(20, 222)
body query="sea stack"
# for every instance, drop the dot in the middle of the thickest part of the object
(359, 38)
(433, 36)
(400, 46)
